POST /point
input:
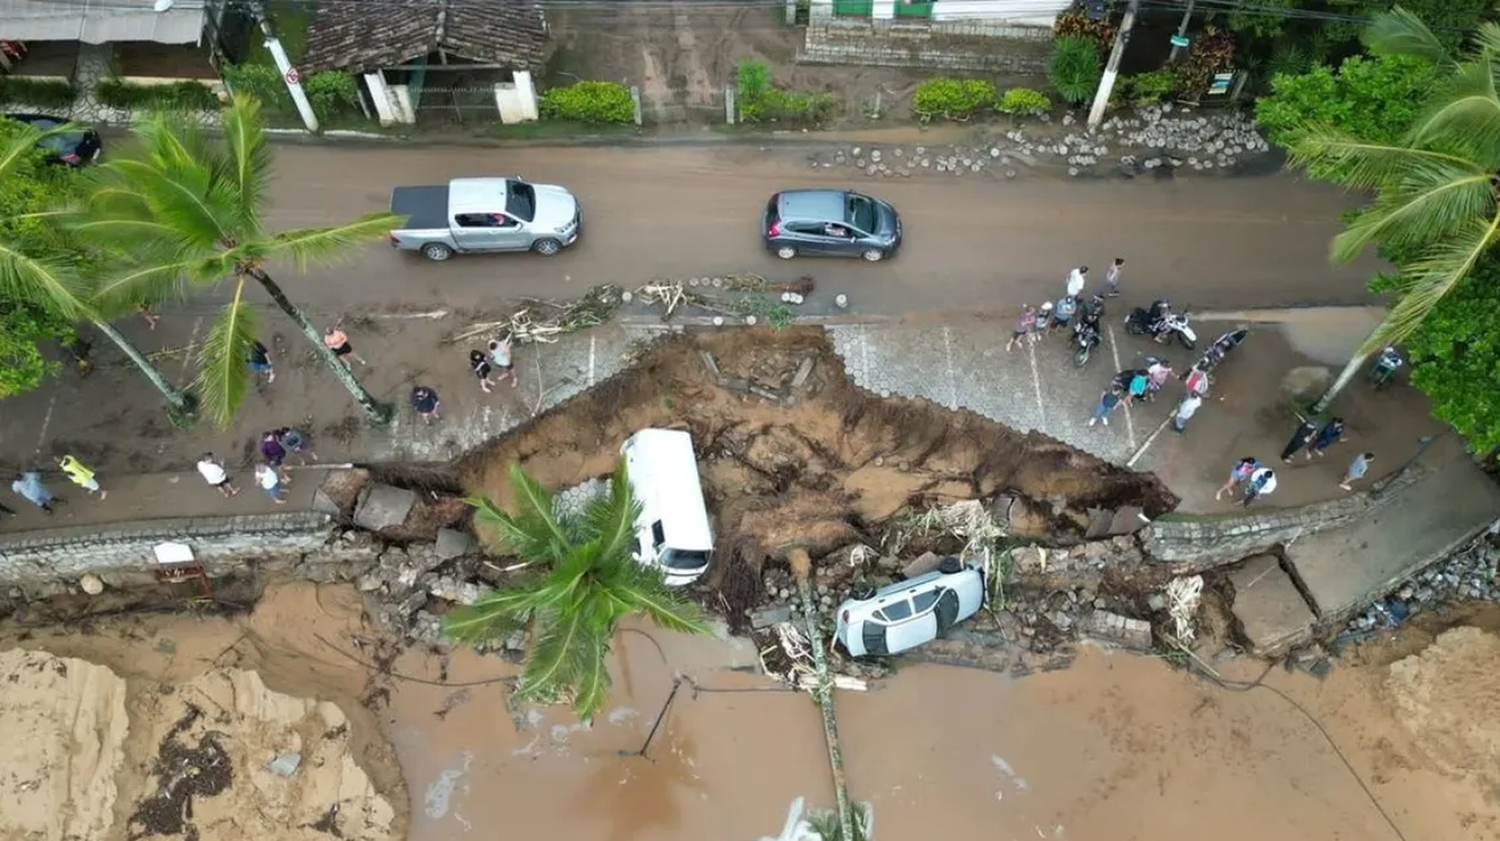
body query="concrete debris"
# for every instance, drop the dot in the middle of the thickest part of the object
(452, 543)
(285, 765)
(1468, 575)
(383, 507)
(1110, 627)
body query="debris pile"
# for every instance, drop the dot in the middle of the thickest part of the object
(1469, 574)
(539, 320)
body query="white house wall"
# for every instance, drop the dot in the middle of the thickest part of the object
(1020, 12)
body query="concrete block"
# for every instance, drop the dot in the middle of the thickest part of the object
(452, 543)
(1271, 610)
(1119, 630)
(383, 507)
(767, 617)
(926, 563)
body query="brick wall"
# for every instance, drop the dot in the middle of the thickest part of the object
(993, 46)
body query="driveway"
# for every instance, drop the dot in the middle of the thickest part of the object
(973, 243)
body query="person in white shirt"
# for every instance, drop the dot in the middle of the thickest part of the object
(1262, 482)
(214, 473)
(1076, 280)
(1112, 277)
(270, 482)
(1185, 411)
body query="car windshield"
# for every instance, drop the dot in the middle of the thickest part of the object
(684, 559)
(861, 213)
(520, 201)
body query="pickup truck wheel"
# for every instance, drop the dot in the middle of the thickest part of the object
(786, 252)
(436, 251)
(546, 247)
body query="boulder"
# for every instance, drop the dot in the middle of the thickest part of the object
(452, 543)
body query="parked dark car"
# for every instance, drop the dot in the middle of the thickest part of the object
(74, 148)
(823, 223)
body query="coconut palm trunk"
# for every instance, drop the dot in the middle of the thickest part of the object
(823, 694)
(1345, 377)
(181, 405)
(376, 411)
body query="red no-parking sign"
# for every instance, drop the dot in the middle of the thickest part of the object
(293, 77)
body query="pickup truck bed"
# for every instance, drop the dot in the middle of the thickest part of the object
(425, 207)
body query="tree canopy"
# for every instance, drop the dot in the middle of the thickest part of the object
(1456, 357)
(1374, 98)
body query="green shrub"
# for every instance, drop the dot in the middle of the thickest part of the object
(1074, 69)
(47, 94)
(1148, 88)
(1023, 102)
(331, 92)
(184, 96)
(588, 102)
(758, 100)
(951, 99)
(261, 81)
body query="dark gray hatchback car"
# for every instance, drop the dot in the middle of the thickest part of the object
(839, 223)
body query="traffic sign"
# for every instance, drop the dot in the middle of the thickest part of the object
(293, 77)
(1179, 40)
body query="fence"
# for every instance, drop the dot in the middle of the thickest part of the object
(461, 105)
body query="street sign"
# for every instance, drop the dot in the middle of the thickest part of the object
(293, 77)
(1179, 40)
(1220, 84)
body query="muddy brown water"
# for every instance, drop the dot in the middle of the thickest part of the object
(1117, 747)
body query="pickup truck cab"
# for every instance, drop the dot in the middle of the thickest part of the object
(478, 215)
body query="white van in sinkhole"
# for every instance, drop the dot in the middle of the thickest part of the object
(673, 533)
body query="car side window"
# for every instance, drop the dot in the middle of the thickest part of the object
(806, 228)
(500, 220)
(657, 534)
(472, 220)
(922, 602)
(896, 611)
(837, 231)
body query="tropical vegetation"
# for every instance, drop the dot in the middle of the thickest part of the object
(181, 212)
(583, 580)
(1075, 68)
(44, 290)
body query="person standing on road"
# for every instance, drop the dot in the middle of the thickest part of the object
(1062, 314)
(274, 454)
(296, 441)
(1157, 374)
(425, 401)
(29, 486)
(1112, 277)
(1238, 475)
(338, 342)
(1331, 433)
(270, 482)
(214, 473)
(1020, 331)
(1043, 322)
(260, 363)
(1262, 483)
(1185, 410)
(500, 357)
(481, 368)
(81, 476)
(1108, 402)
(1357, 470)
(1196, 381)
(1305, 431)
(1076, 279)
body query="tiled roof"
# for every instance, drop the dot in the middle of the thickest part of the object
(351, 36)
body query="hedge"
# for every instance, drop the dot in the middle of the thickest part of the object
(951, 99)
(187, 96)
(1023, 102)
(329, 92)
(47, 94)
(758, 100)
(588, 102)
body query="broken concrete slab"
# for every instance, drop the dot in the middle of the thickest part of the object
(925, 563)
(804, 370)
(382, 507)
(1104, 626)
(452, 543)
(770, 616)
(1270, 609)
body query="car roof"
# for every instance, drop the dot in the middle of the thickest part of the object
(477, 195)
(816, 205)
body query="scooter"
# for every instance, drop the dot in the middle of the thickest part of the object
(1175, 324)
(1221, 348)
(1085, 339)
(1385, 368)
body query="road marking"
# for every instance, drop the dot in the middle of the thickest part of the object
(1114, 350)
(593, 341)
(46, 424)
(1036, 385)
(187, 352)
(1150, 439)
(952, 380)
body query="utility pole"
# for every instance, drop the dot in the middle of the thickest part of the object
(1187, 15)
(289, 73)
(1112, 69)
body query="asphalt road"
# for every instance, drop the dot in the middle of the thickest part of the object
(973, 243)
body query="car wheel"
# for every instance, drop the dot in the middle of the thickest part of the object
(546, 247)
(950, 565)
(873, 255)
(786, 252)
(436, 252)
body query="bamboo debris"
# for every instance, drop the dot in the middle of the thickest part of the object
(542, 321)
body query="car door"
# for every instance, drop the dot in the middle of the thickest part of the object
(945, 609)
(475, 232)
(906, 628)
(841, 238)
(808, 237)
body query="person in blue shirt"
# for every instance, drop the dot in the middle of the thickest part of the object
(1062, 314)
(29, 486)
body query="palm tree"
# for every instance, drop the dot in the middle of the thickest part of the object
(54, 283)
(187, 212)
(585, 581)
(1436, 206)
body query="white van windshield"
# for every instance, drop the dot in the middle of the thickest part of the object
(684, 559)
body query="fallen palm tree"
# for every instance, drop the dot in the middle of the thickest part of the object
(822, 690)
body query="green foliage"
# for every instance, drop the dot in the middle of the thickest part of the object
(761, 101)
(42, 93)
(22, 327)
(1023, 102)
(951, 99)
(1074, 69)
(331, 93)
(1456, 357)
(583, 581)
(261, 81)
(1212, 52)
(1150, 88)
(184, 96)
(1373, 98)
(588, 102)
(1075, 24)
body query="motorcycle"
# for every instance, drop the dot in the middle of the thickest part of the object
(1221, 348)
(1385, 368)
(1085, 339)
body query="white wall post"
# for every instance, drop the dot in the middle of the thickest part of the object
(883, 10)
(293, 81)
(381, 96)
(1112, 70)
(526, 93)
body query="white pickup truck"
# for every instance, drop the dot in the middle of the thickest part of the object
(477, 215)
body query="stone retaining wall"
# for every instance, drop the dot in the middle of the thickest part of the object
(1200, 543)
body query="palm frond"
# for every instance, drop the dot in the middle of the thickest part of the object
(1399, 32)
(591, 683)
(20, 147)
(1426, 280)
(184, 198)
(131, 285)
(248, 158)
(224, 374)
(495, 613)
(640, 589)
(52, 285)
(1465, 114)
(610, 518)
(1431, 200)
(529, 537)
(310, 246)
(559, 653)
(172, 141)
(537, 508)
(1487, 38)
(1361, 164)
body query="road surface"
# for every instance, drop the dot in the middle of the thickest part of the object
(973, 242)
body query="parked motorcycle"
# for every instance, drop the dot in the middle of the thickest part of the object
(1085, 339)
(1175, 324)
(1385, 368)
(1221, 348)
